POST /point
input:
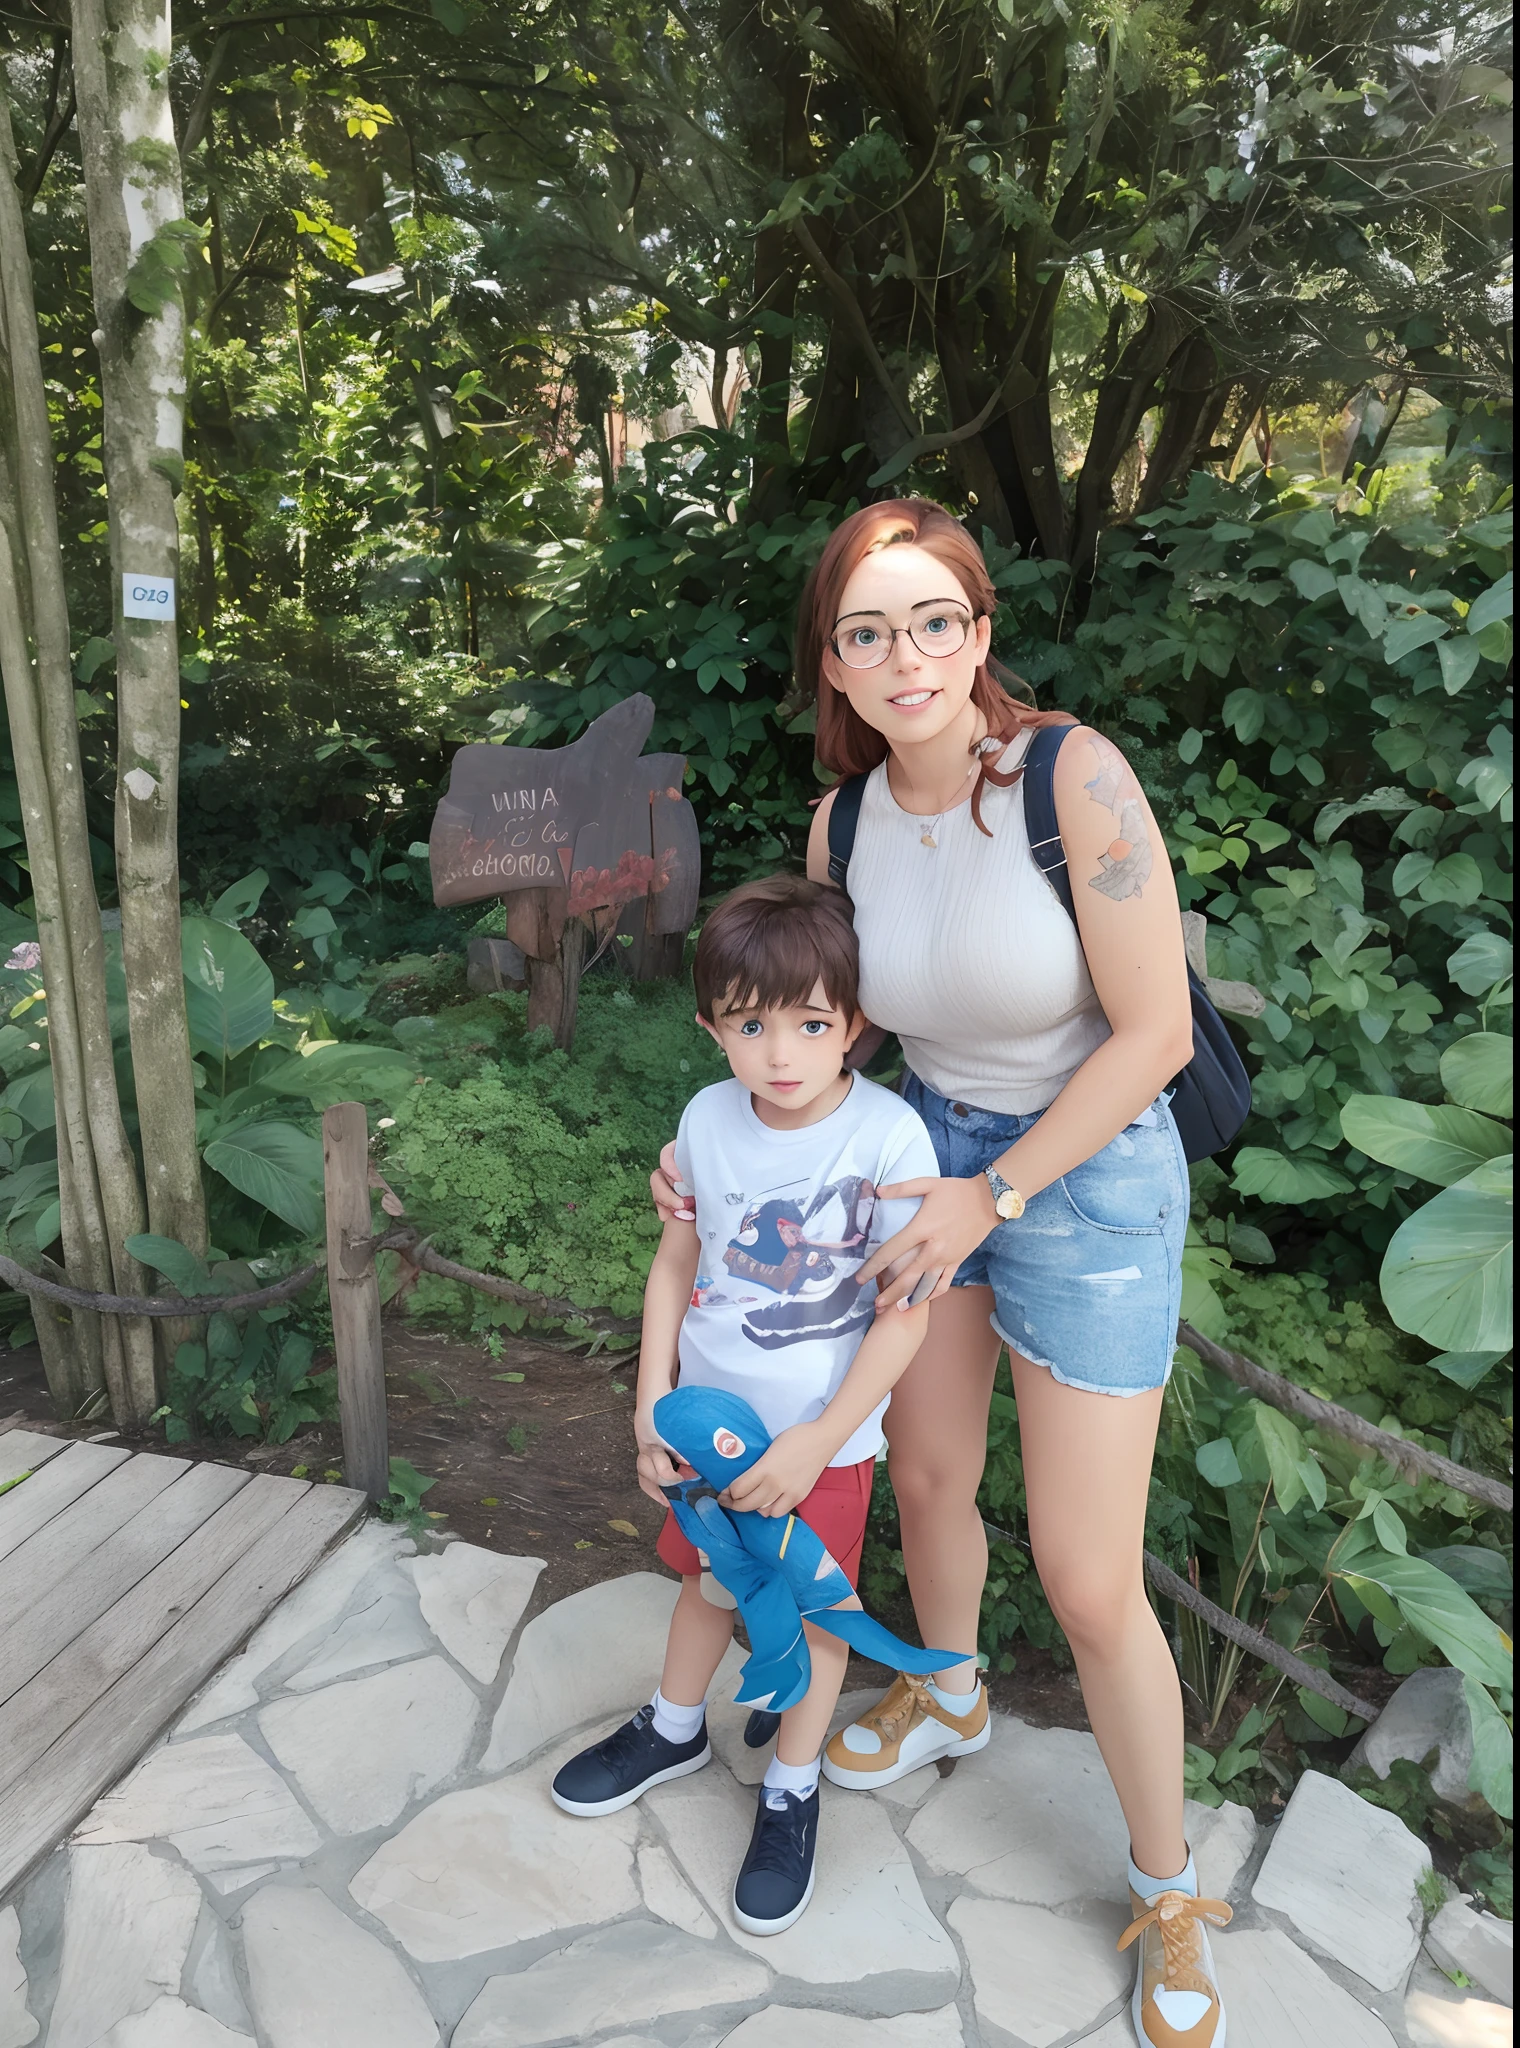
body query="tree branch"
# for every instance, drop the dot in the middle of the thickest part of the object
(1256, 1641)
(849, 305)
(200, 112)
(1413, 1460)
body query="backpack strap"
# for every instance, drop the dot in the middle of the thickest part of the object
(844, 817)
(1039, 784)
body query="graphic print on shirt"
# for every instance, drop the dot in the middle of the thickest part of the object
(812, 1276)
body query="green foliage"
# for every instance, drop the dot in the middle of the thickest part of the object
(250, 1376)
(533, 1163)
(403, 1503)
(672, 599)
(160, 265)
(1448, 1272)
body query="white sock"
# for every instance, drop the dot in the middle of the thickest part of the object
(676, 1724)
(957, 1703)
(799, 1778)
(1145, 1886)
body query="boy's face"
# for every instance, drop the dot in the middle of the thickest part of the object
(787, 1057)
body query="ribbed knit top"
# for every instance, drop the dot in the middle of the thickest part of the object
(967, 954)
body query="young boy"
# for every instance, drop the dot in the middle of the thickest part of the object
(757, 1295)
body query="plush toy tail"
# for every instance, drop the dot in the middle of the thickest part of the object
(880, 1645)
(776, 1683)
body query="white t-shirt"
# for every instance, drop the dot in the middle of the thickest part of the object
(786, 1219)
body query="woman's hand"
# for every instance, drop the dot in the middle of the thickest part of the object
(785, 1475)
(664, 1184)
(656, 1467)
(953, 1218)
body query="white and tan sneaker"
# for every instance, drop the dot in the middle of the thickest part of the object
(1176, 2002)
(906, 1729)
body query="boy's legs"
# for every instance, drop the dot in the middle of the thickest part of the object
(775, 1880)
(699, 1635)
(804, 1726)
(666, 1739)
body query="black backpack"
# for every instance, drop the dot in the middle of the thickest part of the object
(1211, 1097)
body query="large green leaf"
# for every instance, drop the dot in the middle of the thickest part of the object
(1467, 1368)
(1435, 1604)
(1447, 1273)
(1479, 1071)
(229, 992)
(1484, 1573)
(276, 1165)
(343, 1073)
(1492, 1771)
(31, 1097)
(185, 1273)
(1276, 1177)
(1437, 1143)
(1295, 1470)
(242, 899)
(1482, 960)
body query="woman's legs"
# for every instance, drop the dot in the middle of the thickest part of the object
(1087, 1462)
(936, 1429)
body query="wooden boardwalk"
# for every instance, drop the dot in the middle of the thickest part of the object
(124, 1582)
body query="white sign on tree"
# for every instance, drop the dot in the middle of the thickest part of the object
(147, 597)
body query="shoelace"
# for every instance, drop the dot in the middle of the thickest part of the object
(625, 1742)
(888, 1719)
(1175, 1916)
(781, 1847)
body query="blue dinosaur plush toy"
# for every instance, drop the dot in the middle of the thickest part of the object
(774, 1565)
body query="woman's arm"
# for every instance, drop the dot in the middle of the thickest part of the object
(667, 1296)
(1131, 929)
(1126, 903)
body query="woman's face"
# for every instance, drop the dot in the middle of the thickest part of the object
(912, 696)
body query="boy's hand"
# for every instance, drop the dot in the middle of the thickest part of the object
(656, 1467)
(785, 1475)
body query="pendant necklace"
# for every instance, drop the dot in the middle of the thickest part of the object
(926, 837)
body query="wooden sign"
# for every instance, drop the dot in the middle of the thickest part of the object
(596, 835)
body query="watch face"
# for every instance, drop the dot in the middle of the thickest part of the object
(1010, 1205)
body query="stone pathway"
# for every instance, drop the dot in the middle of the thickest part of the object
(347, 1842)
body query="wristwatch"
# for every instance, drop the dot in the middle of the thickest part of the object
(1008, 1202)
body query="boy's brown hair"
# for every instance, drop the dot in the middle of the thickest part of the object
(770, 943)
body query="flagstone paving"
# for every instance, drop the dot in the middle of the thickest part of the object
(347, 1842)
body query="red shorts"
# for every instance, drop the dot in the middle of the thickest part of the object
(835, 1511)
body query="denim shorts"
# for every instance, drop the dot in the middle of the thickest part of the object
(1088, 1281)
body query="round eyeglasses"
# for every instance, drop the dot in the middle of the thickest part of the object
(866, 639)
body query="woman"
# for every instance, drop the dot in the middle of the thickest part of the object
(1039, 1056)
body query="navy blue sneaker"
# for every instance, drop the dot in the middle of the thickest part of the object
(775, 1880)
(614, 1773)
(760, 1728)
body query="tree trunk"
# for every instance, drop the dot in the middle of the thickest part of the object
(132, 190)
(1124, 397)
(554, 986)
(1192, 406)
(99, 1198)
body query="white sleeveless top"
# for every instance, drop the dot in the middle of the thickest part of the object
(967, 953)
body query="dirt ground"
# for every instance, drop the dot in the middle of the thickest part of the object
(530, 1452)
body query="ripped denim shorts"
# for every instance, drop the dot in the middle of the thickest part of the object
(1088, 1281)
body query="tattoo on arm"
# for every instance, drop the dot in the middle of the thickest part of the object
(1125, 868)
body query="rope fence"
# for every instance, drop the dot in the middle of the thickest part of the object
(353, 1287)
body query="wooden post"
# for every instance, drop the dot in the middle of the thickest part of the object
(354, 1292)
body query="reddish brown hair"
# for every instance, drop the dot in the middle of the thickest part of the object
(845, 743)
(768, 946)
